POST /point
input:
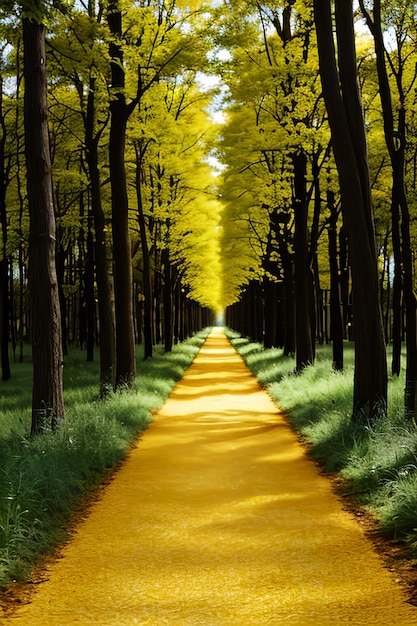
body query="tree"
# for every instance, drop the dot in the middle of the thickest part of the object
(79, 64)
(342, 98)
(282, 146)
(120, 111)
(4, 263)
(157, 46)
(45, 327)
(336, 323)
(394, 115)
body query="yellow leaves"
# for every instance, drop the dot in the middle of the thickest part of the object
(170, 135)
(79, 39)
(191, 6)
(195, 236)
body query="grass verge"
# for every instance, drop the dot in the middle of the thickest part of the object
(377, 461)
(43, 479)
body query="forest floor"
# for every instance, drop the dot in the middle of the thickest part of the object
(219, 518)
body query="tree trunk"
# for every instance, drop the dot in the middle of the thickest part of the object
(157, 290)
(4, 263)
(269, 287)
(61, 256)
(289, 305)
(177, 307)
(270, 312)
(105, 309)
(345, 282)
(303, 342)
(384, 294)
(316, 303)
(336, 324)
(397, 290)
(89, 298)
(47, 392)
(167, 297)
(146, 268)
(120, 112)
(348, 139)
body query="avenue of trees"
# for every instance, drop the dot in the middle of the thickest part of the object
(319, 144)
(116, 229)
(108, 209)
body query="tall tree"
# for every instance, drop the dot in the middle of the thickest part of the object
(45, 322)
(140, 150)
(336, 323)
(394, 115)
(120, 111)
(4, 262)
(342, 98)
(155, 46)
(78, 57)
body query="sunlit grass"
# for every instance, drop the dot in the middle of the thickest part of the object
(42, 479)
(378, 459)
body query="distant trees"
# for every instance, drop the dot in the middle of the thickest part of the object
(278, 150)
(274, 186)
(73, 258)
(394, 100)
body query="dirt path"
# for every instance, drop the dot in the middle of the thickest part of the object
(218, 518)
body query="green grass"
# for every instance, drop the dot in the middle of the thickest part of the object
(43, 479)
(377, 460)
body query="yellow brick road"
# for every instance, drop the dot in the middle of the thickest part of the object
(218, 518)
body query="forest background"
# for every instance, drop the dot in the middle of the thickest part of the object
(166, 164)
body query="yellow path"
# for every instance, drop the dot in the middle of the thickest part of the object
(218, 518)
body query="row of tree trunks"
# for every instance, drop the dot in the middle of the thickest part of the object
(56, 314)
(274, 311)
(342, 98)
(395, 138)
(81, 320)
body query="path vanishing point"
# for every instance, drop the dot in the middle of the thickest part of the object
(218, 518)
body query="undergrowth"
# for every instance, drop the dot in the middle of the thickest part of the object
(43, 479)
(377, 459)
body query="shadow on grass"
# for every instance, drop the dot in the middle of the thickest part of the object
(377, 460)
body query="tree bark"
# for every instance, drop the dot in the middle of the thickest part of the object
(120, 112)
(270, 312)
(146, 267)
(289, 304)
(60, 258)
(105, 309)
(4, 263)
(336, 324)
(345, 283)
(89, 297)
(349, 146)
(167, 297)
(47, 392)
(302, 277)
(397, 287)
